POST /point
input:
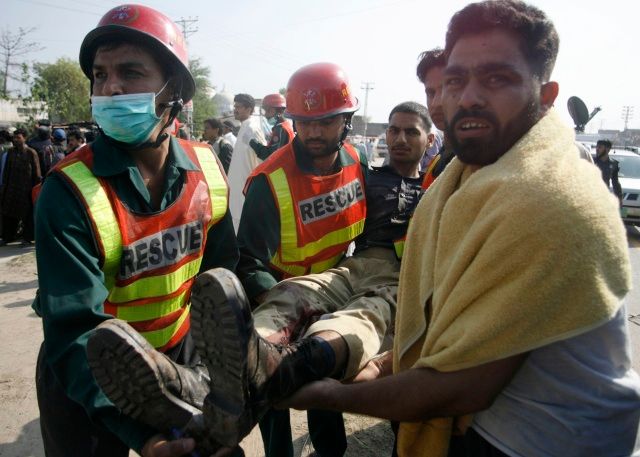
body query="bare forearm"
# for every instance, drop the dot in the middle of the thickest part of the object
(416, 394)
(402, 397)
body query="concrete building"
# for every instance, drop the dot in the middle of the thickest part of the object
(14, 112)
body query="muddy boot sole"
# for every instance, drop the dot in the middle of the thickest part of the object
(221, 322)
(125, 370)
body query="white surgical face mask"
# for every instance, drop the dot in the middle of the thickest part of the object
(129, 118)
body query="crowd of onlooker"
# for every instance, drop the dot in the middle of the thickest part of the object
(25, 159)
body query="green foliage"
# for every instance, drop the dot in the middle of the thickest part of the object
(65, 89)
(203, 106)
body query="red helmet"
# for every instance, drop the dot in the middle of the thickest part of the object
(142, 25)
(318, 91)
(274, 101)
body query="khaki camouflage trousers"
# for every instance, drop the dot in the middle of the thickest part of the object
(356, 299)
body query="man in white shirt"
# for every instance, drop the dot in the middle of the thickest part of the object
(244, 158)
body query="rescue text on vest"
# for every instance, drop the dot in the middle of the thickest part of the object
(326, 205)
(164, 248)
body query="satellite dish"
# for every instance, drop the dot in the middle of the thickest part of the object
(579, 112)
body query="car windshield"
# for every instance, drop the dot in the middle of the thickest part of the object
(629, 166)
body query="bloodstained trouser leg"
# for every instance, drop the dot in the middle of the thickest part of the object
(290, 308)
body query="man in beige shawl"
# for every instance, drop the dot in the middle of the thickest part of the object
(516, 264)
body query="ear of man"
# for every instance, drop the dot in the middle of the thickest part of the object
(548, 94)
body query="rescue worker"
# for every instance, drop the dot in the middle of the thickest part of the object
(296, 236)
(123, 226)
(282, 133)
(328, 324)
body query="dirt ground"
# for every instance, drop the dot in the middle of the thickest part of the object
(20, 338)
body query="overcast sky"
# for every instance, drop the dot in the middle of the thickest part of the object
(254, 46)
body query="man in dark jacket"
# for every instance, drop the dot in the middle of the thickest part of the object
(20, 173)
(608, 167)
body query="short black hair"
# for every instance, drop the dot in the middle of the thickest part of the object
(429, 59)
(539, 41)
(414, 108)
(20, 131)
(606, 143)
(5, 136)
(214, 123)
(90, 136)
(245, 100)
(77, 134)
(43, 133)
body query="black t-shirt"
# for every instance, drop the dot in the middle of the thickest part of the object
(391, 201)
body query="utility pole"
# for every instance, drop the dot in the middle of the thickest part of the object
(188, 28)
(627, 114)
(367, 86)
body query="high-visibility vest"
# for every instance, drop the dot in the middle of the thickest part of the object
(429, 178)
(398, 246)
(287, 126)
(149, 261)
(319, 215)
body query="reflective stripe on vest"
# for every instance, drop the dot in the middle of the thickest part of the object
(150, 286)
(398, 246)
(298, 270)
(149, 299)
(290, 251)
(160, 338)
(216, 181)
(105, 222)
(142, 313)
(428, 176)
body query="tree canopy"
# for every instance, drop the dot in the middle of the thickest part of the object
(203, 106)
(65, 89)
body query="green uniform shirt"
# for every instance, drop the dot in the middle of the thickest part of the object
(71, 284)
(259, 229)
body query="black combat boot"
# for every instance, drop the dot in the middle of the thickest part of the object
(250, 374)
(148, 386)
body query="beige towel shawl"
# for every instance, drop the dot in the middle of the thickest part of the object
(515, 256)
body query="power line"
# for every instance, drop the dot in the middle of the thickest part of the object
(367, 86)
(58, 7)
(361, 11)
(100, 5)
(188, 26)
(627, 114)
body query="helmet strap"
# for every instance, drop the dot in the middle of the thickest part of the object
(347, 128)
(175, 105)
